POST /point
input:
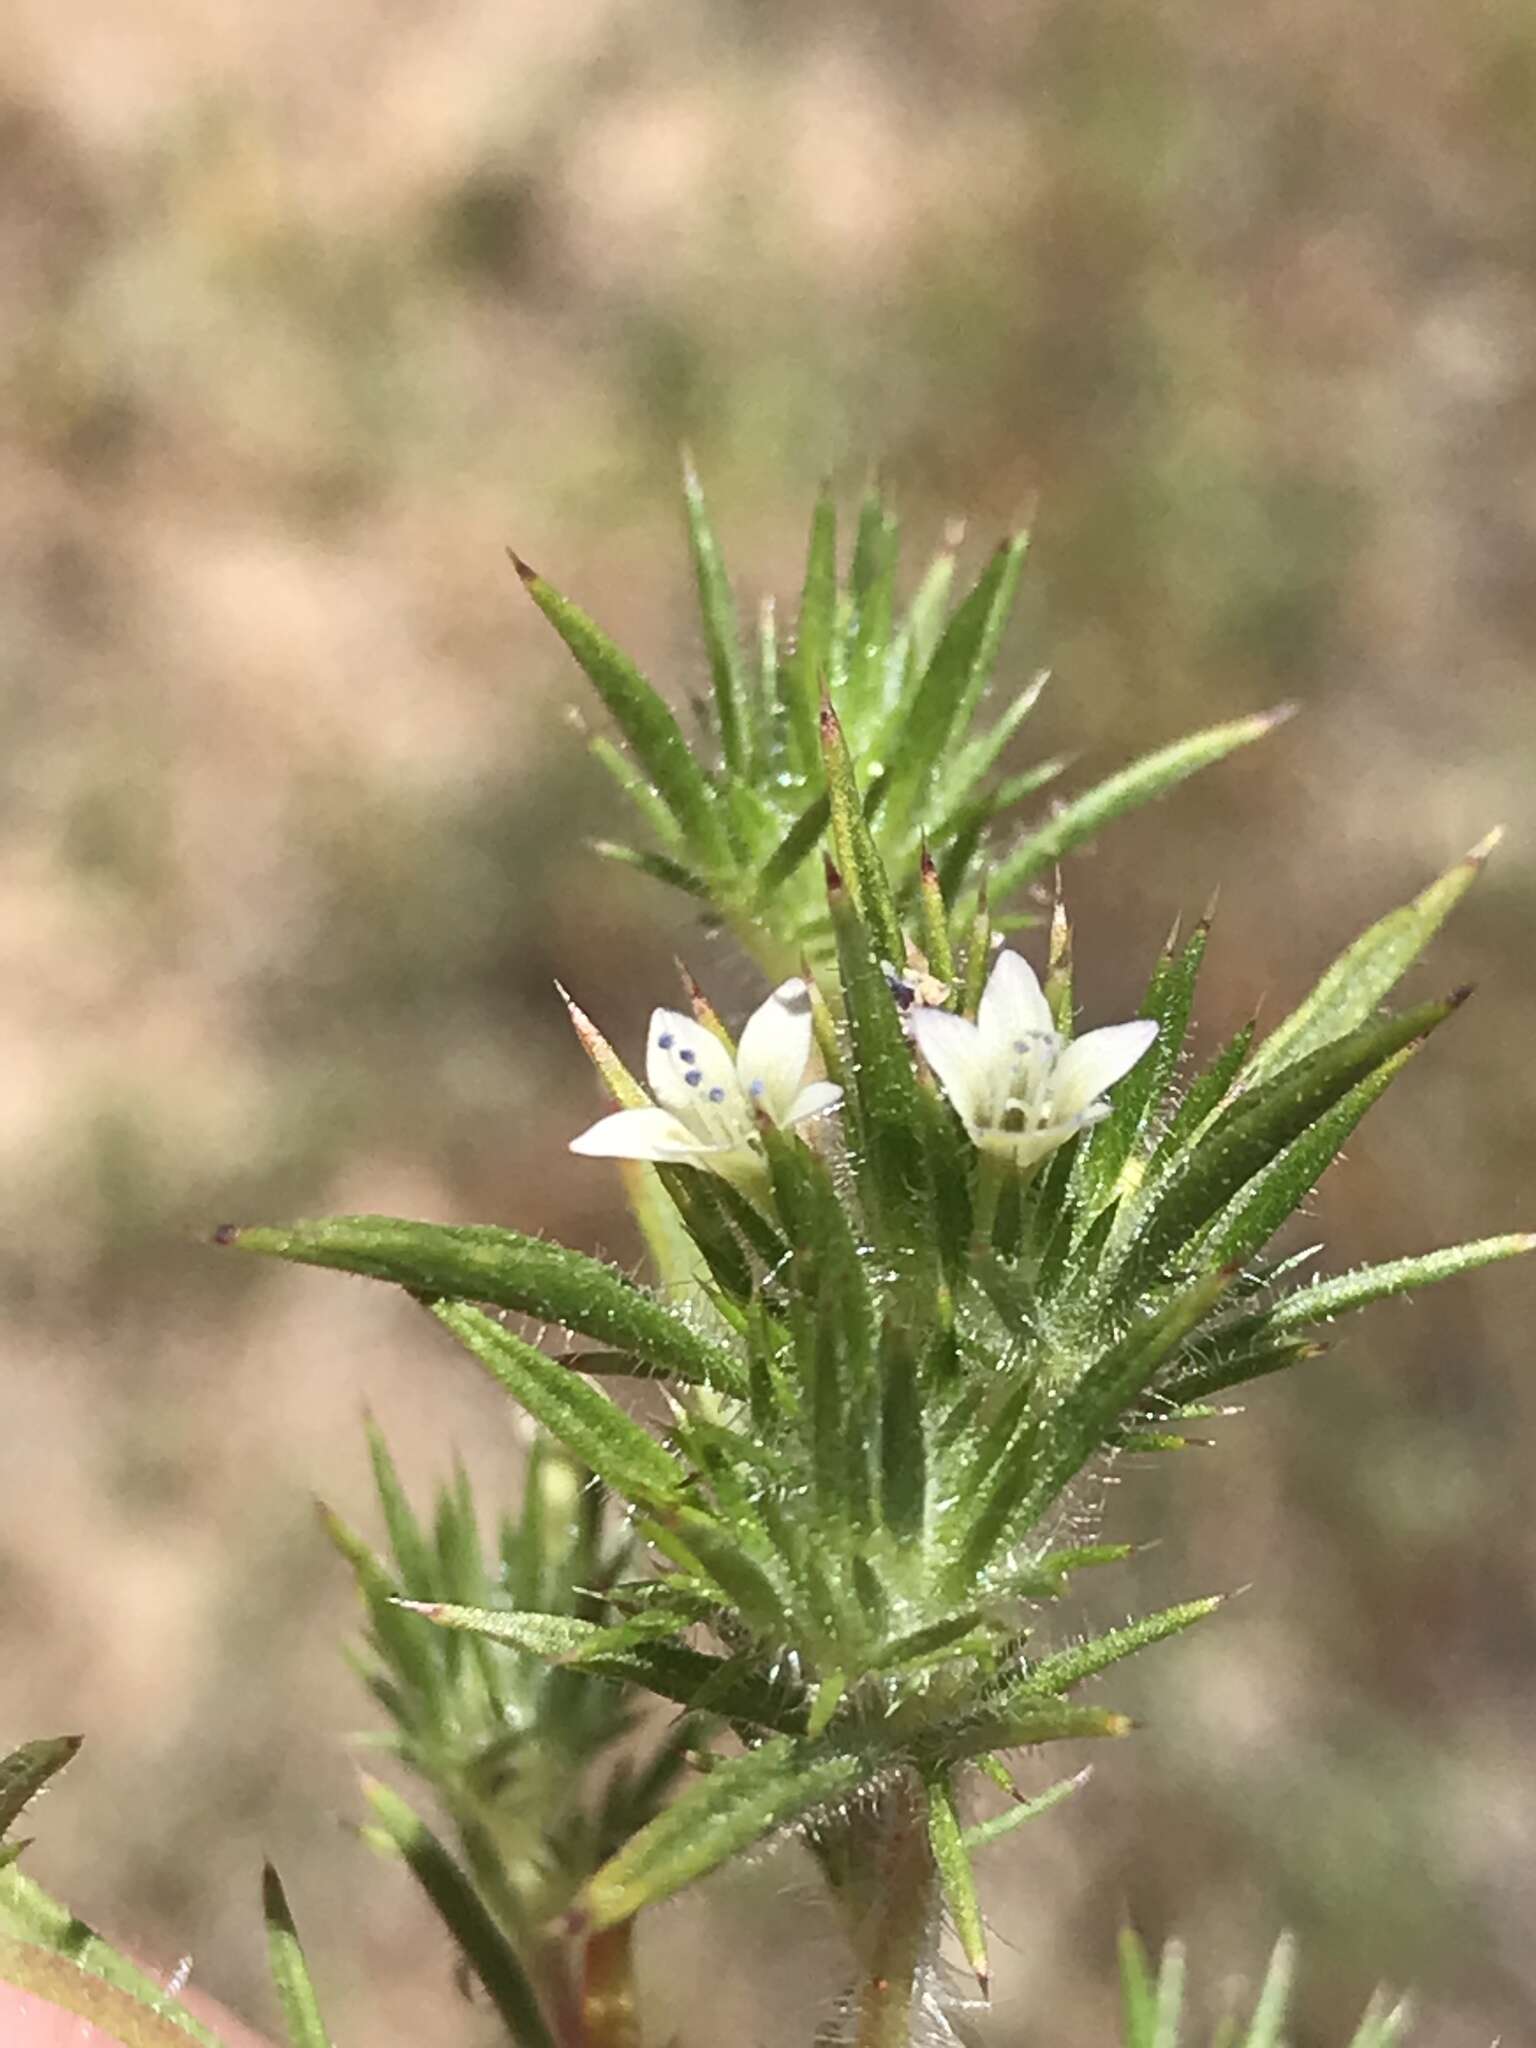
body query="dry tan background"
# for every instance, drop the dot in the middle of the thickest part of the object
(305, 313)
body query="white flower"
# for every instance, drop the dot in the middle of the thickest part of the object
(1020, 1088)
(706, 1103)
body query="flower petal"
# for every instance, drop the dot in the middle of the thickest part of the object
(952, 1046)
(815, 1099)
(1025, 1148)
(685, 1065)
(1013, 1006)
(641, 1134)
(1097, 1061)
(775, 1049)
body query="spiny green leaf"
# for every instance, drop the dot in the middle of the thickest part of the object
(413, 1554)
(639, 792)
(1222, 1365)
(590, 1425)
(480, 1941)
(891, 1162)
(722, 635)
(1257, 1125)
(1344, 1292)
(957, 1880)
(1066, 1668)
(290, 1972)
(949, 687)
(1168, 1002)
(857, 855)
(118, 2015)
(1022, 1725)
(32, 1921)
(800, 841)
(25, 1772)
(872, 580)
(1048, 1454)
(803, 677)
(1150, 777)
(1026, 1810)
(1366, 973)
(625, 1654)
(1278, 1189)
(659, 867)
(735, 1806)
(642, 717)
(475, 1262)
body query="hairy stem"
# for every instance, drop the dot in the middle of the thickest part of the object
(609, 2015)
(890, 1890)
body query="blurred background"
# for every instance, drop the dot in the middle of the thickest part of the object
(303, 315)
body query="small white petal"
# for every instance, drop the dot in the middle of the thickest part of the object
(685, 1065)
(952, 1047)
(641, 1134)
(1095, 1062)
(1013, 1008)
(815, 1099)
(775, 1050)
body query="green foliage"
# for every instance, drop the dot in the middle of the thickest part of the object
(1152, 2005)
(47, 1951)
(908, 1332)
(738, 822)
(863, 1459)
(524, 1736)
(290, 1971)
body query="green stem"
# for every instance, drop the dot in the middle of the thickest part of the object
(901, 1908)
(991, 1173)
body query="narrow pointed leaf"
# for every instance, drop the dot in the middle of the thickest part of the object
(116, 2015)
(722, 633)
(644, 719)
(672, 1670)
(1278, 1189)
(475, 1262)
(1137, 1998)
(290, 1972)
(31, 1921)
(1258, 1125)
(480, 1941)
(1025, 1724)
(1265, 2028)
(946, 695)
(413, 1554)
(891, 1159)
(1345, 1292)
(1151, 777)
(739, 1803)
(1066, 1668)
(798, 843)
(957, 1880)
(579, 1415)
(1046, 1457)
(1169, 1001)
(25, 1772)
(808, 667)
(873, 585)
(1026, 1810)
(853, 844)
(1367, 972)
(658, 867)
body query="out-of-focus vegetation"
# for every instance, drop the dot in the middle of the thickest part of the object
(304, 316)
